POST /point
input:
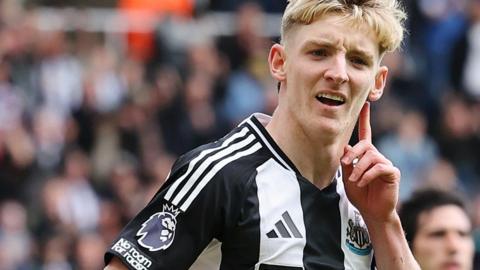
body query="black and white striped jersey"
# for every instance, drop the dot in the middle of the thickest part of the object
(239, 203)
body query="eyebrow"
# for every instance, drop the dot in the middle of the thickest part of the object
(320, 42)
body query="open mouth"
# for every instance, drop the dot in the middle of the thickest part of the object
(330, 100)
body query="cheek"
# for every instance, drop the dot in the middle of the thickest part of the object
(425, 247)
(427, 254)
(469, 247)
(362, 84)
(306, 78)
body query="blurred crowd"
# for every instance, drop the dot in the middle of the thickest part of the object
(88, 131)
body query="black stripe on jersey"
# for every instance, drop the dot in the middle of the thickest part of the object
(267, 140)
(277, 267)
(241, 248)
(320, 207)
(211, 166)
(195, 162)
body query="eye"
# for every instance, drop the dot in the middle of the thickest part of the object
(319, 52)
(465, 234)
(359, 61)
(437, 234)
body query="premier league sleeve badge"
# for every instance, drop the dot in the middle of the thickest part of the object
(158, 231)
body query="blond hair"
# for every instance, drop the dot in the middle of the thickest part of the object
(385, 17)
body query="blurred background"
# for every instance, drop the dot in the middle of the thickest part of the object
(98, 98)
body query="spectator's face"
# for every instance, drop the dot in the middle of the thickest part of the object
(329, 68)
(443, 240)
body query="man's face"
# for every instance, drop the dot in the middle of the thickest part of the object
(330, 68)
(443, 240)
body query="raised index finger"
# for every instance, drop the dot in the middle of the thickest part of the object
(364, 128)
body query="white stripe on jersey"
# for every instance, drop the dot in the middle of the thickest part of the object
(214, 171)
(278, 192)
(192, 164)
(204, 165)
(249, 121)
(352, 261)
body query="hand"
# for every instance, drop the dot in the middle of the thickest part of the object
(371, 181)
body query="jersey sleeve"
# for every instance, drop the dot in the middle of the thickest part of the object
(185, 215)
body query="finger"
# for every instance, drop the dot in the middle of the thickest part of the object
(346, 167)
(356, 151)
(385, 172)
(370, 157)
(368, 160)
(364, 128)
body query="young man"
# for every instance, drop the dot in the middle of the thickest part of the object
(275, 193)
(439, 230)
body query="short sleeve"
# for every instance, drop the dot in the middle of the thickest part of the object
(184, 216)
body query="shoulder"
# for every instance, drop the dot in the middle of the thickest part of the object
(237, 143)
(224, 164)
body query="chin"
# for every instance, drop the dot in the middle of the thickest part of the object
(327, 128)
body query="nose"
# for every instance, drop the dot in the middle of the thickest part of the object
(337, 70)
(453, 242)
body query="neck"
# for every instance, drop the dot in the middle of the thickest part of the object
(317, 157)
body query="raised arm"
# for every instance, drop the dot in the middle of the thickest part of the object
(372, 184)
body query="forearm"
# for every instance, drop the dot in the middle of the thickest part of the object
(391, 247)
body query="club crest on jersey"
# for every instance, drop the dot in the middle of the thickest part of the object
(358, 239)
(158, 231)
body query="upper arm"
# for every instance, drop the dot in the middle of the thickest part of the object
(178, 220)
(196, 204)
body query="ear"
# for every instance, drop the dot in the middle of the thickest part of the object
(276, 61)
(380, 80)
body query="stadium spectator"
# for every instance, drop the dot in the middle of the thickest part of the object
(439, 230)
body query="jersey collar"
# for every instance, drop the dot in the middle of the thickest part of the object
(257, 123)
